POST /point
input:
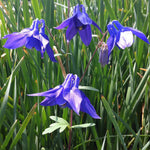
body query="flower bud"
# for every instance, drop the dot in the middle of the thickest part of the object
(103, 55)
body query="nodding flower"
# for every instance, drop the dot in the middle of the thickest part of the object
(68, 95)
(79, 22)
(33, 37)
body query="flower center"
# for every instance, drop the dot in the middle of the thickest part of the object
(80, 28)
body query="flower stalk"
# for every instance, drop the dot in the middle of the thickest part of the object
(98, 45)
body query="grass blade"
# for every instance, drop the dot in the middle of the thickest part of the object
(9, 135)
(113, 120)
(24, 124)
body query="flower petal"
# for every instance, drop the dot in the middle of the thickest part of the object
(94, 23)
(126, 39)
(111, 43)
(84, 18)
(55, 99)
(87, 107)
(86, 35)
(43, 38)
(49, 93)
(118, 24)
(32, 42)
(48, 102)
(50, 53)
(64, 23)
(71, 31)
(74, 98)
(111, 29)
(138, 33)
(15, 40)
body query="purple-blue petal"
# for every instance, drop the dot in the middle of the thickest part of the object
(111, 29)
(56, 99)
(50, 53)
(86, 35)
(110, 43)
(32, 42)
(66, 79)
(49, 93)
(64, 24)
(138, 33)
(94, 23)
(87, 107)
(71, 31)
(74, 98)
(84, 18)
(15, 40)
(118, 24)
(48, 102)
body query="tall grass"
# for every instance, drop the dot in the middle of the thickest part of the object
(123, 100)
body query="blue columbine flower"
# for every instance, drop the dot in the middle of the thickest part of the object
(79, 22)
(122, 36)
(33, 37)
(68, 95)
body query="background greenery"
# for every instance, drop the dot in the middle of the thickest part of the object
(123, 100)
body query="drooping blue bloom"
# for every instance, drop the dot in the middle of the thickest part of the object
(122, 36)
(68, 95)
(33, 37)
(79, 22)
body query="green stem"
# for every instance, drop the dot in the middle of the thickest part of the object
(98, 45)
(70, 130)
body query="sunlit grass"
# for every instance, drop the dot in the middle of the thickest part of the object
(123, 84)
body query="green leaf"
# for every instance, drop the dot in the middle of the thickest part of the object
(129, 110)
(58, 119)
(113, 120)
(110, 10)
(4, 103)
(88, 88)
(9, 135)
(137, 139)
(22, 128)
(60, 123)
(104, 141)
(109, 144)
(86, 125)
(26, 13)
(146, 146)
(14, 72)
(54, 127)
(36, 8)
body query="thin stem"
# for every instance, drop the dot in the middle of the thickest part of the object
(53, 38)
(67, 58)
(98, 45)
(68, 7)
(67, 66)
(60, 62)
(70, 130)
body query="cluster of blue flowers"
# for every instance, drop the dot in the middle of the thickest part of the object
(67, 94)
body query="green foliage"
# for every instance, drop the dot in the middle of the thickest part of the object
(120, 91)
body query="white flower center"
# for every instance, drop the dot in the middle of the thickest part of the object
(126, 39)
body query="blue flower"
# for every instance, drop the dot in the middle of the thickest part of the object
(33, 37)
(79, 22)
(68, 95)
(122, 36)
